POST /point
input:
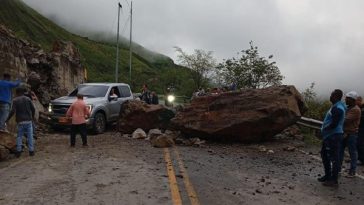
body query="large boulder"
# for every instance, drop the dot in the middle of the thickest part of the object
(137, 114)
(247, 116)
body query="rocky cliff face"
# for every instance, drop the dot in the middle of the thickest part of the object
(50, 74)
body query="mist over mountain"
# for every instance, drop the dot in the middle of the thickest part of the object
(97, 57)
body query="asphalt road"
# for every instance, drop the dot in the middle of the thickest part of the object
(120, 170)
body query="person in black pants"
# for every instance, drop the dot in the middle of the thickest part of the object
(332, 131)
(79, 112)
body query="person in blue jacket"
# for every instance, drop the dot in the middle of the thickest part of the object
(332, 131)
(5, 98)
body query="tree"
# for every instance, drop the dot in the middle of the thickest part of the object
(316, 108)
(200, 62)
(250, 70)
(309, 94)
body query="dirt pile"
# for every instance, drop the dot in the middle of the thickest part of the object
(137, 114)
(248, 116)
(50, 74)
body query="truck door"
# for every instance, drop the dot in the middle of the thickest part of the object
(125, 94)
(114, 103)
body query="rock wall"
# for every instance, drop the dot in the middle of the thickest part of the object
(50, 74)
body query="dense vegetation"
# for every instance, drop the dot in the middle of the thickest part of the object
(98, 57)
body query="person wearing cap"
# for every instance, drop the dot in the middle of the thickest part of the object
(360, 142)
(332, 133)
(24, 111)
(351, 126)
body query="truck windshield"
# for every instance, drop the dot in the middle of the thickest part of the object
(90, 90)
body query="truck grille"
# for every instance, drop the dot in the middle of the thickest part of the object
(60, 109)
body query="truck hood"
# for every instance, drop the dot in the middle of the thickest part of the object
(70, 100)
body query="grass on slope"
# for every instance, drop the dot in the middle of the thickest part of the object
(97, 57)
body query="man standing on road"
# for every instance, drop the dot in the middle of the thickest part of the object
(78, 112)
(351, 126)
(24, 115)
(5, 98)
(360, 142)
(332, 133)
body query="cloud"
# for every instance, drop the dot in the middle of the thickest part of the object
(311, 40)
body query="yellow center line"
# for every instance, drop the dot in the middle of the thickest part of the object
(189, 187)
(176, 197)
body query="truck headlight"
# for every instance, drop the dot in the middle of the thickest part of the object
(50, 107)
(170, 98)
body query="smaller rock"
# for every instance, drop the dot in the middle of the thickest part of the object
(139, 134)
(126, 136)
(289, 148)
(270, 151)
(153, 133)
(262, 149)
(259, 191)
(162, 141)
(193, 142)
(4, 153)
(179, 141)
(7, 140)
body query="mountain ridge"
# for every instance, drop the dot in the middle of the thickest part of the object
(98, 57)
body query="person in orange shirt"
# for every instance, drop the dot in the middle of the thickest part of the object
(78, 111)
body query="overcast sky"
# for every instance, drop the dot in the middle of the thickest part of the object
(318, 41)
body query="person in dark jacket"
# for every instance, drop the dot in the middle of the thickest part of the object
(5, 98)
(332, 131)
(154, 98)
(145, 94)
(24, 111)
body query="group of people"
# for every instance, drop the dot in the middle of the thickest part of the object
(213, 91)
(149, 97)
(342, 127)
(23, 108)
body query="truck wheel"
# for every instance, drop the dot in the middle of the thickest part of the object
(99, 124)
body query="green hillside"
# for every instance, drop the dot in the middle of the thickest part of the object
(98, 57)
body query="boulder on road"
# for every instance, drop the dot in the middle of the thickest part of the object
(139, 134)
(162, 141)
(137, 114)
(153, 133)
(246, 116)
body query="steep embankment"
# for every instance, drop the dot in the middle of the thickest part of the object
(97, 57)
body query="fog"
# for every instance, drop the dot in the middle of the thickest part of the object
(317, 41)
